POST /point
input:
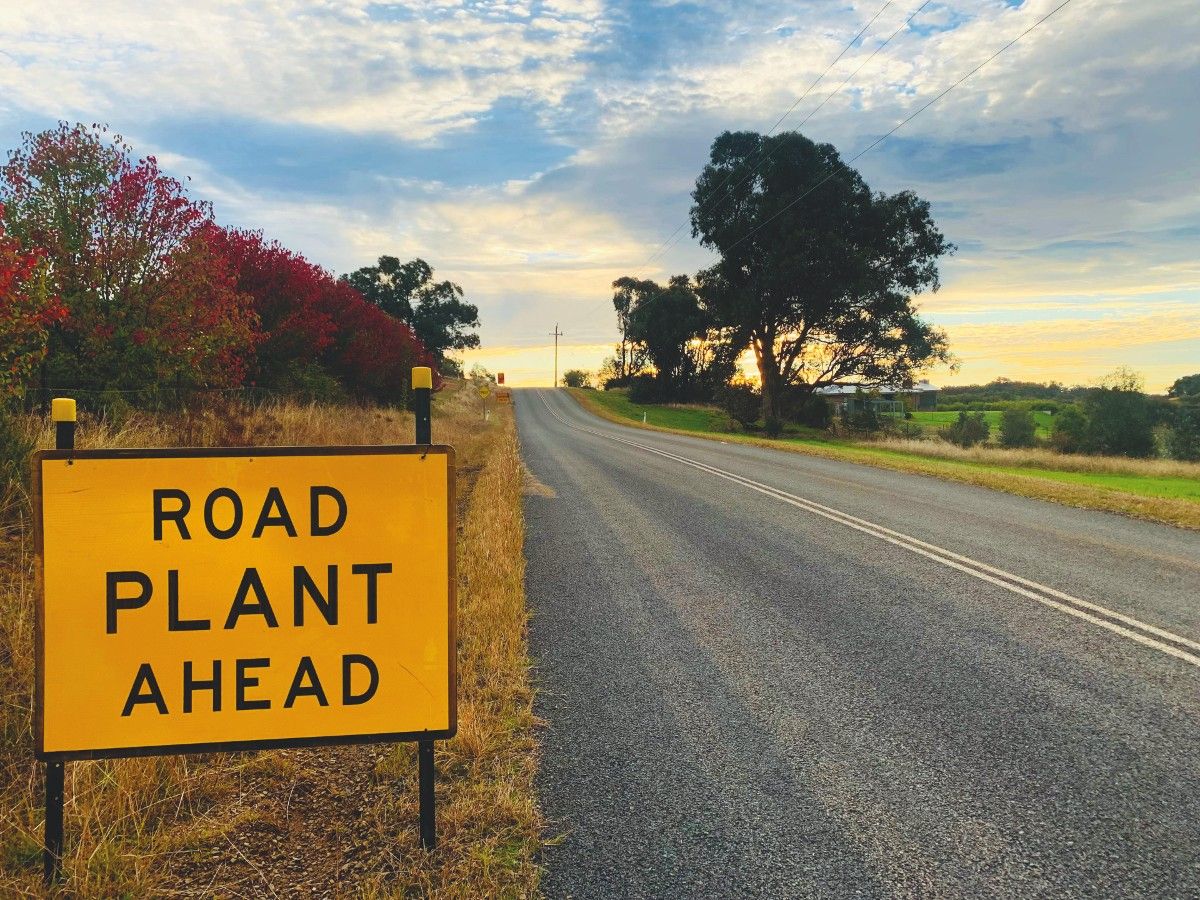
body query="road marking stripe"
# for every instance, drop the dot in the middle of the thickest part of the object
(1047, 596)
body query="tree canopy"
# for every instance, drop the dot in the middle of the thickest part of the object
(435, 310)
(1187, 387)
(817, 272)
(664, 320)
(668, 328)
(27, 311)
(147, 296)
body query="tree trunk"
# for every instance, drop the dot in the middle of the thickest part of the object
(768, 374)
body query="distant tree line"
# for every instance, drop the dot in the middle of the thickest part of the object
(116, 285)
(1005, 392)
(1115, 418)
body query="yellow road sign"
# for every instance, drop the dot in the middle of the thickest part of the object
(484, 391)
(208, 599)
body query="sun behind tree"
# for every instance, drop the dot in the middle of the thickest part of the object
(817, 272)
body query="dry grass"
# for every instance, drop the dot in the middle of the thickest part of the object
(195, 825)
(488, 821)
(1037, 458)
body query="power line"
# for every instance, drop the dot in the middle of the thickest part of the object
(850, 77)
(896, 128)
(813, 112)
(787, 113)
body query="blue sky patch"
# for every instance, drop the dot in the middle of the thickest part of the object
(506, 144)
(926, 159)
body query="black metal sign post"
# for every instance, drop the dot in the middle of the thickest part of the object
(422, 384)
(62, 412)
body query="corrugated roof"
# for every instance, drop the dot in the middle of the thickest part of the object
(836, 390)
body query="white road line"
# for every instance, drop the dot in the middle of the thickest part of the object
(1129, 627)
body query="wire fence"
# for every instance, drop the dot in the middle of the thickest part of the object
(155, 398)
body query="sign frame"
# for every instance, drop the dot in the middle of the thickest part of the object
(241, 745)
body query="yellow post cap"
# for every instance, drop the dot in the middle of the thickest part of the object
(62, 409)
(422, 377)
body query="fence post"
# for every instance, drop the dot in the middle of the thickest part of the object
(422, 385)
(62, 413)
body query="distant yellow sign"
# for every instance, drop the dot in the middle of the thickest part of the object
(484, 391)
(208, 599)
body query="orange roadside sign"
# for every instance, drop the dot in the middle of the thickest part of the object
(196, 600)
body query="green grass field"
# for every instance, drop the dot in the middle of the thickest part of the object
(697, 417)
(1145, 485)
(931, 421)
(1168, 498)
(684, 418)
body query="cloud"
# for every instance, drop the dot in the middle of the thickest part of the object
(1161, 345)
(534, 151)
(415, 70)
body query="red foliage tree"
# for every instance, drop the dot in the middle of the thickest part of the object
(287, 292)
(310, 320)
(135, 260)
(372, 353)
(198, 318)
(27, 311)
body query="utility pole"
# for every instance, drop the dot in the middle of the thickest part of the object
(556, 334)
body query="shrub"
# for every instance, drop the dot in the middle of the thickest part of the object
(372, 353)
(1070, 430)
(1120, 423)
(742, 403)
(577, 378)
(970, 429)
(864, 419)
(725, 423)
(309, 382)
(644, 388)
(815, 413)
(773, 427)
(1183, 437)
(911, 430)
(1017, 428)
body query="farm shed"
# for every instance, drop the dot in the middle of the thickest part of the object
(921, 395)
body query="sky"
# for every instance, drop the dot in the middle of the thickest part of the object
(535, 150)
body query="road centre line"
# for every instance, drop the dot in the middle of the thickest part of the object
(1128, 627)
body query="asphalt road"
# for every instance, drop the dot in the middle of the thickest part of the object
(749, 695)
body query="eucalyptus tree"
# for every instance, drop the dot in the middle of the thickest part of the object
(817, 272)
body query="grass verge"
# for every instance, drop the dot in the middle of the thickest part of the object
(1158, 490)
(326, 821)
